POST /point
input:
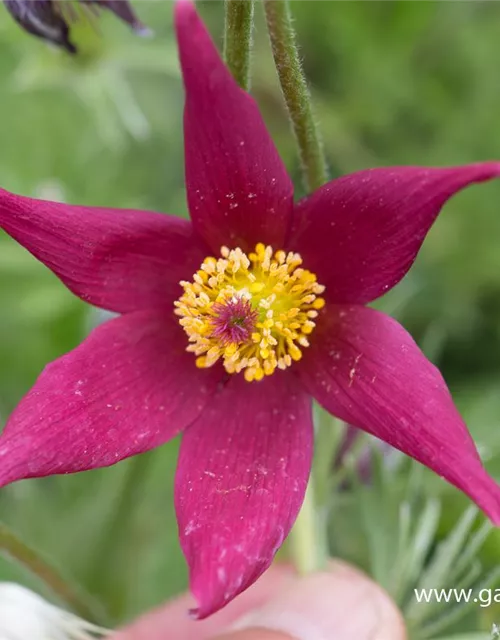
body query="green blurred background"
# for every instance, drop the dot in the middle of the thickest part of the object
(394, 83)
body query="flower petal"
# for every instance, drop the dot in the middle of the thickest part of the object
(361, 233)
(241, 478)
(366, 369)
(124, 11)
(41, 19)
(238, 190)
(121, 260)
(129, 387)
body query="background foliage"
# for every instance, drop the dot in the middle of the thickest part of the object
(394, 83)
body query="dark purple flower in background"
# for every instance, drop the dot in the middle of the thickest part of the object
(51, 19)
(232, 356)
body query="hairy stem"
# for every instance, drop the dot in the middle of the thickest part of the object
(14, 547)
(296, 92)
(238, 39)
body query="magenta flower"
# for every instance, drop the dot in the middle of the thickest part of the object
(274, 316)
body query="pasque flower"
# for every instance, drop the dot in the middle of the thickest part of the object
(51, 19)
(232, 356)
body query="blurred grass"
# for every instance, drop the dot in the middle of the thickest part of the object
(394, 83)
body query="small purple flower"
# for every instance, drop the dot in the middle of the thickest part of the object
(51, 19)
(274, 315)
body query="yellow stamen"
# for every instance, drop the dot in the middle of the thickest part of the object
(254, 311)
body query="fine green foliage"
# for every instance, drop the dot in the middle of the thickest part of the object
(393, 83)
(397, 532)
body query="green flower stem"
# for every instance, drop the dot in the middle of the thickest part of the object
(238, 39)
(109, 555)
(13, 546)
(305, 544)
(296, 92)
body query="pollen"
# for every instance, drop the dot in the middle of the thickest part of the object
(254, 312)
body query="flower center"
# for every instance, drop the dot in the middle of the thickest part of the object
(254, 311)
